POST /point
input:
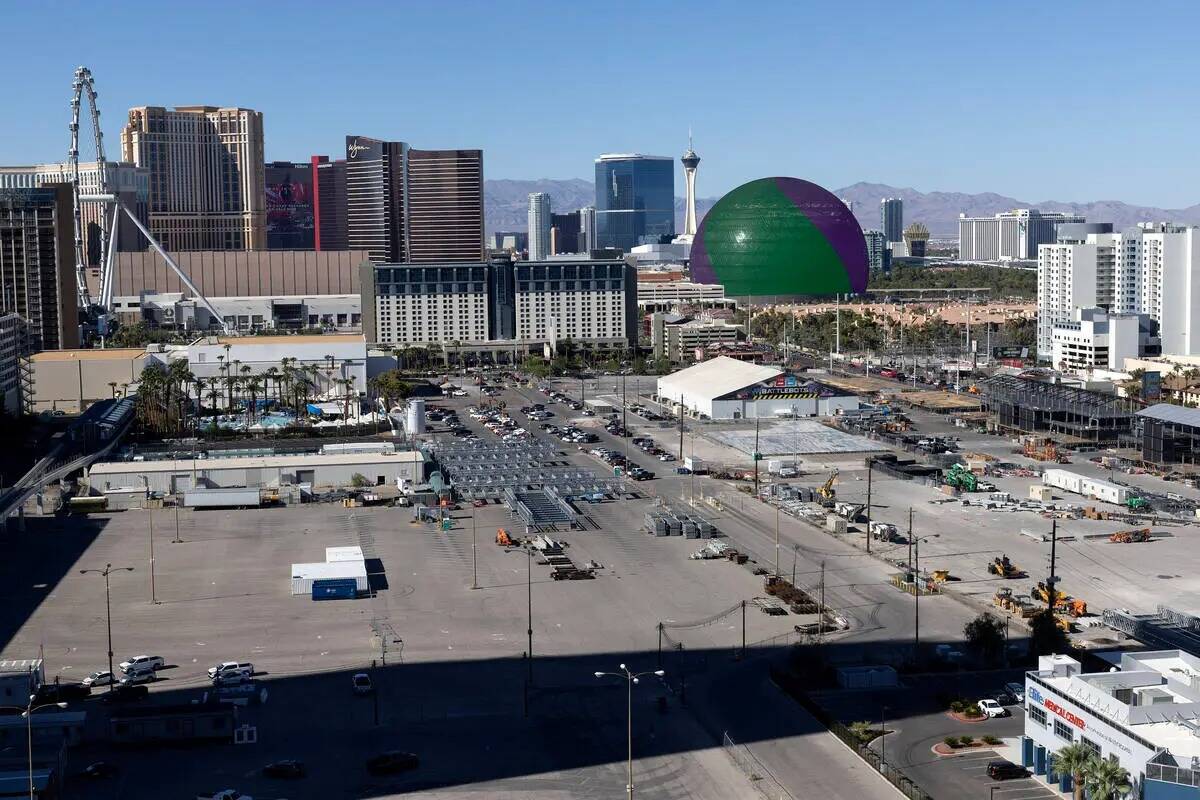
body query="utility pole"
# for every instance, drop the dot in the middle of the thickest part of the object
(776, 540)
(743, 629)
(474, 559)
(795, 555)
(1052, 580)
(681, 427)
(910, 538)
(917, 603)
(755, 457)
(529, 595)
(870, 472)
(153, 592)
(821, 610)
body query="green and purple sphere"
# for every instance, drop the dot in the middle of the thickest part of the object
(780, 236)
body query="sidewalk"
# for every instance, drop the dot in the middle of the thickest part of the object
(788, 741)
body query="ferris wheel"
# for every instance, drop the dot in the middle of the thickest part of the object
(111, 208)
(82, 86)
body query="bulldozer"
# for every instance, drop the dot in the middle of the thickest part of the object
(826, 491)
(1131, 536)
(1004, 568)
(503, 538)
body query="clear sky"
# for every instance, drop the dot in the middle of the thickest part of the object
(1040, 100)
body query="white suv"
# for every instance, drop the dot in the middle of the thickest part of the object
(991, 708)
(143, 663)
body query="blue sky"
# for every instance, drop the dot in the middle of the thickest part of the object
(1040, 100)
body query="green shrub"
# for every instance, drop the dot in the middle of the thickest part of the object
(956, 706)
(972, 711)
(966, 741)
(991, 740)
(951, 741)
(862, 731)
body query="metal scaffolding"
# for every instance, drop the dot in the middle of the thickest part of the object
(479, 470)
(1031, 406)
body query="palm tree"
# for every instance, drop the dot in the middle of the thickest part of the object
(1107, 780)
(113, 385)
(253, 386)
(1074, 760)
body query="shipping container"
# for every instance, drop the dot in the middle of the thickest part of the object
(305, 575)
(335, 589)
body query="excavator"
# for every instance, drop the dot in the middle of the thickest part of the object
(826, 491)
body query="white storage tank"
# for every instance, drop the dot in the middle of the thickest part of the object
(416, 416)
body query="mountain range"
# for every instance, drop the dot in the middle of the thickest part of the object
(506, 203)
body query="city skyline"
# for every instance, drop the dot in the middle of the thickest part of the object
(743, 134)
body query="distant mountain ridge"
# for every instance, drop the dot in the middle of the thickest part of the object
(506, 203)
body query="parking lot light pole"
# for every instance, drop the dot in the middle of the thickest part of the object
(108, 570)
(630, 679)
(474, 561)
(529, 597)
(27, 712)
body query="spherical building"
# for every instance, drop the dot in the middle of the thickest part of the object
(780, 236)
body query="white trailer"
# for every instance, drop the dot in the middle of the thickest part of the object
(222, 498)
(695, 464)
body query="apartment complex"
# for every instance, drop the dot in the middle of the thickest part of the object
(539, 226)
(206, 175)
(891, 218)
(1096, 339)
(131, 184)
(37, 264)
(12, 349)
(523, 302)
(1151, 269)
(413, 206)
(1009, 236)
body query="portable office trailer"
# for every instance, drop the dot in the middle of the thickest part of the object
(354, 553)
(304, 575)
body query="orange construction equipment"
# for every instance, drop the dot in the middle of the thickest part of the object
(1039, 448)
(503, 539)
(1077, 608)
(1129, 537)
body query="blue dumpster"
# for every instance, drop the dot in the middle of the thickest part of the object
(334, 589)
(1026, 752)
(1039, 760)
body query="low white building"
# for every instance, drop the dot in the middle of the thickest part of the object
(333, 358)
(320, 471)
(726, 388)
(1097, 339)
(1143, 713)
(175, 310)
(1093, 488)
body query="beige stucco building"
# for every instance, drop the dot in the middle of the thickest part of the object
(71, 380)
(207, 175)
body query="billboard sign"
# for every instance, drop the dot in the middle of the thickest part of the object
(1151, 387)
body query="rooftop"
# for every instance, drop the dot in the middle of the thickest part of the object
(107, 354)
(333, 338)
(1172, 413)
(257, 462)
(321, 570)
(716, 377)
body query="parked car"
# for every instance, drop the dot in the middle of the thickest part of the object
(289, 768)
(100, 769)
(991, 709)
(61, 692)
(137, 676)
(1003, 770)
(233, 678)
(1017, 690)
(149, 662)
(392, 762)
(123, 693)
(100, 677)
(230, 667)
(1005, 698)
(361, 682)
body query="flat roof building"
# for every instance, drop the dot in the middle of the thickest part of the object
(726, 388)
(37, 264)
(333, 470)
(241, 274)
(1144, 713)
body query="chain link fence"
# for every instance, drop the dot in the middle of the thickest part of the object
(892, 774)
(760, 777)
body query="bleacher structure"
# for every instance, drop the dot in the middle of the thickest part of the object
(490, 471)
(1031, 406)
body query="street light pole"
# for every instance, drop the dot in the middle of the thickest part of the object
(108, 570)
(27, 712)
(153, 590)
(474, 561)
(630, 679)
(529, 592)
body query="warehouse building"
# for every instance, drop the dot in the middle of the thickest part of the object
(726, 388)
(1170, 434)
(1144, 713)
(320, 471)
